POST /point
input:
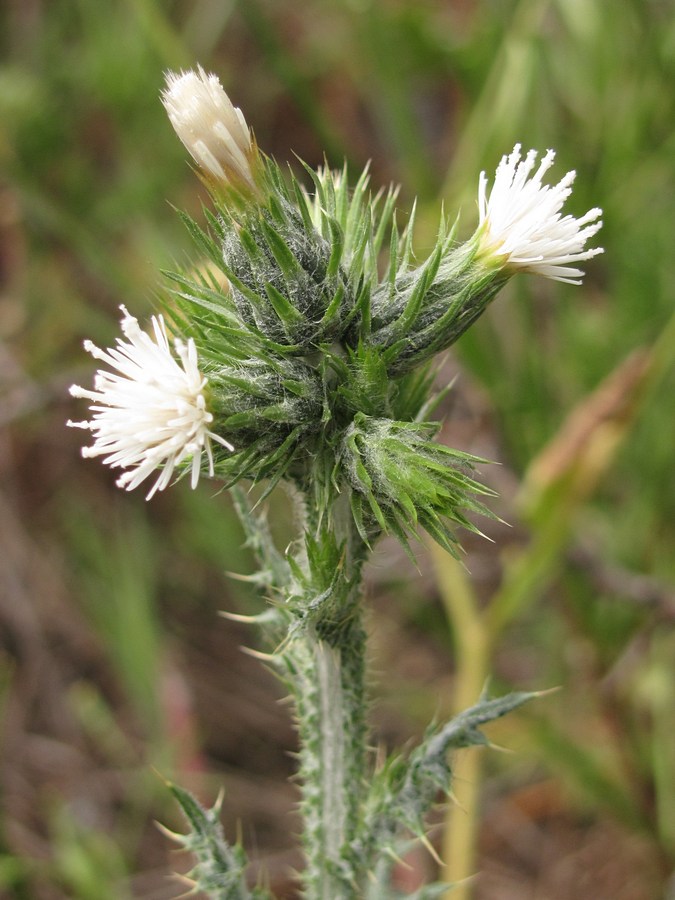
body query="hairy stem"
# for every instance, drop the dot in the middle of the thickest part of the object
(327, 675)
(332, 734)
(333, 749)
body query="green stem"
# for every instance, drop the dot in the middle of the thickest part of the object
(329, 693)
(325, 661)
(333, 749)
(332, 734)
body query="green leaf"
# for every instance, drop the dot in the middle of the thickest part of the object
(404, 791)
(259, 539)
(220, 867)
(203, 240)
(413, 305)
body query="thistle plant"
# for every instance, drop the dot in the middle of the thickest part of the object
(300, 351)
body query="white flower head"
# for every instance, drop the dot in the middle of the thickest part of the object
(150, 412)
(521, 223)
(213, 130)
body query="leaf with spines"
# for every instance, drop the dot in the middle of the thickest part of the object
(415, 398)
(403, 251)
(205, 241)
(404, 790)
(220, 867)
(264, 460)
(274, 573)
(323, 594)
(410, 303)
(427, 892)
(363, 384)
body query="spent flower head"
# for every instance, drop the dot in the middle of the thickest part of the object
(150, 412)
(213, 130)
(521, 225)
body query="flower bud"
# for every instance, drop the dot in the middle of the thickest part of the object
(267, 407)
(401, 478)
(256, 399)
(283, 277)
(214, 131)
(428, 309)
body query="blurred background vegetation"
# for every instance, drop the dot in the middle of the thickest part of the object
(115, 670)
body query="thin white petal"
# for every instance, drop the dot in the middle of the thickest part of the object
(521, 224)
(150, 412)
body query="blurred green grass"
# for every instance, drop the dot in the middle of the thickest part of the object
(432, 93)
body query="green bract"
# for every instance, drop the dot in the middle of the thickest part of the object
(401, 478)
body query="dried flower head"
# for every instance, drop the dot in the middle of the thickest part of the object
(213, 130)
(150, 412)
(521, 224)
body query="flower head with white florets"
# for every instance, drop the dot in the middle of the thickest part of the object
(151, 411)
(521, 225)
(213, 130)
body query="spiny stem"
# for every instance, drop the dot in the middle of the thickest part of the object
(329, 694)
(333, 750)
(326, 664)
(340, 764)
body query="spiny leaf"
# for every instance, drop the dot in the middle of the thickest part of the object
(259, 539)
(402, 793)
(220, 867)
(203, 240)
